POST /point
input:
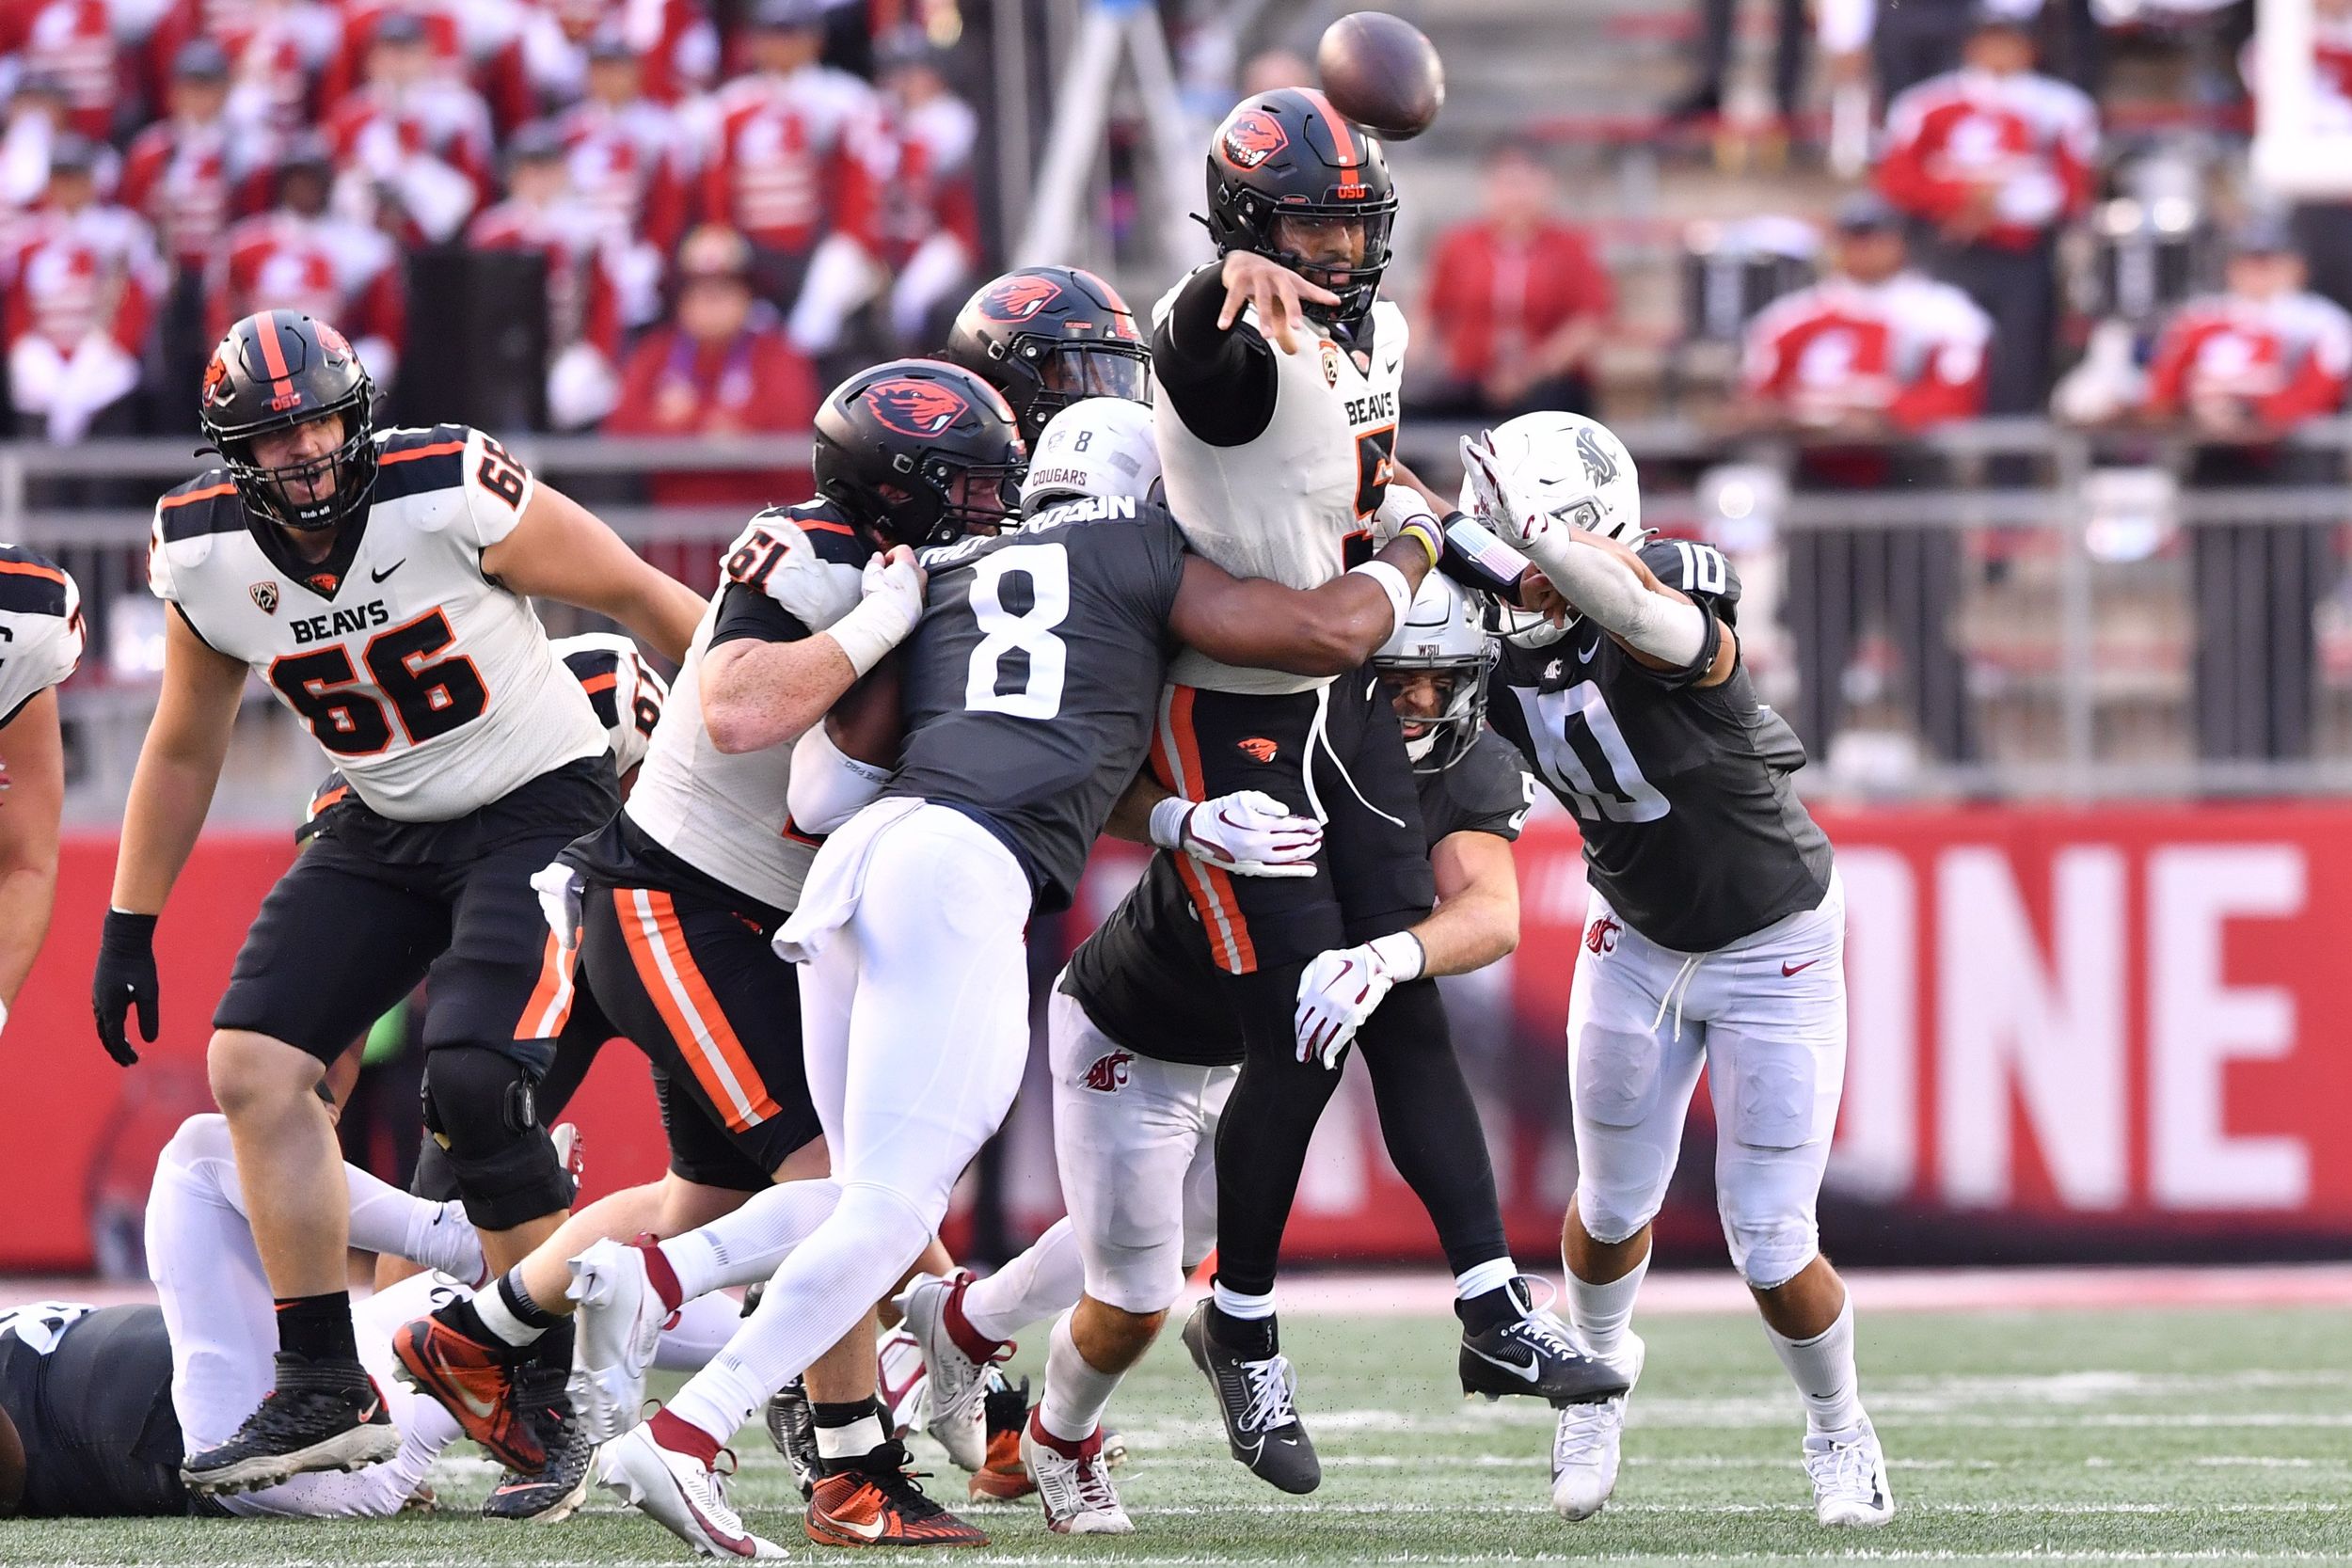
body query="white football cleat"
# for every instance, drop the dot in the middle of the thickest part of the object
(619, 1322)
(901, 1383)
(958, 1415)
(1076, 1491)
(1584, 1444)
(1849, 1474)
(681, 1494)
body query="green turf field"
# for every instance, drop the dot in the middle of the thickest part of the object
(2144, 1436)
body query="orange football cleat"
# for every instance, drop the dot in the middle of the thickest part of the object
(879, 1504)
(473, 1382)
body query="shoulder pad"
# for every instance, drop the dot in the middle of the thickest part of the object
(809, 565)
(32, 584)
(828, 529)
(412, 462)
(1699, 570)
(208, 503)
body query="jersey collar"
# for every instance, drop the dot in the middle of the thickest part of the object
(323, 578)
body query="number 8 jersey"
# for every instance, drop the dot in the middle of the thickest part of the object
(1691, 828)
(430, 686)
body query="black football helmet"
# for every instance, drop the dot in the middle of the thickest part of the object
(1288, 153)
(921, 451)
(1046, 336)
(277, 368)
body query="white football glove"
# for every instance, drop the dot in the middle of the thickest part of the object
(892, 584)
(560, 886)
(1342, 986)
(1249, 833)
(1516, 523)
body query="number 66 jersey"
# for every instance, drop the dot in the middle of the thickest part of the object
(432, 686)
(1691, 828)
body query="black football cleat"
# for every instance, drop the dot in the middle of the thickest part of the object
(555, 1490)
(1531, 1354)
(792, 1428)
(1254, 1384)
(319, 1417)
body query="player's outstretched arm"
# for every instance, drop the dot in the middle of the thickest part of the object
(171, 789)
(32, 770)
(1261, 624)
(561, 550)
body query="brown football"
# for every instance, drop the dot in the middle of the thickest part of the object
(1379, 72)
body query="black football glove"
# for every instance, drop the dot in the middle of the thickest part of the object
(125, 978)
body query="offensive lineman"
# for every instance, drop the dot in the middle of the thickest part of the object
(1717, 939)
(1279, 370)
(911, 930)
(40, 642)
(1049, 337)
(1144, 1053)
(379, 584)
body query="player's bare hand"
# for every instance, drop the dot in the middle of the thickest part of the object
(1537, 593)
(1277, 294)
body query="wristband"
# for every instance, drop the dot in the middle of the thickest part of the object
(864, 642)
(1477, 559)
(1391, 583)
(1402, 955)
(1422, 529)
(1168, 821)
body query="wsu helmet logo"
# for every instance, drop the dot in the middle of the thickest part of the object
(914, 407)
(1019, 297)
(1108, 1074)
(1598, 464)
(1252, 138)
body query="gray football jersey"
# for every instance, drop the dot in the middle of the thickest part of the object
(1691, 828)
(1033, 680)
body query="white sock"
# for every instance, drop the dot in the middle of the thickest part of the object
(1076, 1392)
(744, 1247)
(854, 1441)
(1600, 1313)
(1493, 1274)
(1822, 1368)
(1234, 1305)
(1040, 1282)
(501, 1319)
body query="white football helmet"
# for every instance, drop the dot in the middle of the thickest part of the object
(1576, 469)
(1098, 447)
(1443, 633)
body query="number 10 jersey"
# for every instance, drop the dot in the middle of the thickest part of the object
(1691, 828)
(432, 686)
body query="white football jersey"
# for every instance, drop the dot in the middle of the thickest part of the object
(40, 628)
(628, 693)
(434, 689)
(1284, 505)
(726, 816)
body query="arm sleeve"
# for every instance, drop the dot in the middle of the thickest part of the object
(1222, 383)
(746, 612)
(828, 787)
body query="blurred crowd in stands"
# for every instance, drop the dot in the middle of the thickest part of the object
(705, 199)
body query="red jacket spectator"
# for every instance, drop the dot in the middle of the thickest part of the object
(630, 154)
(276, 51)
(928, 225)
(190, 175)
(725, 368)
(414, 134)
(2264, 356)
(2001, 158)
(796, 148)
(297, 258)
(82, 283)
(81, 43)
(478, 42)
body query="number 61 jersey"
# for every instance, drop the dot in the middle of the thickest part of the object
(1691, 828)
(431, 686)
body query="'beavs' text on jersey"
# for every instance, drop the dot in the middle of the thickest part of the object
(1692, 831)
(1032, 682)
(40, 628)
(793, 572)
(431, 686)
(1283, 505)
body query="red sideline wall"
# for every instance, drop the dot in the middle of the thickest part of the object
(2066, 1024)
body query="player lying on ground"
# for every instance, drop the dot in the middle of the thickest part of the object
(912, 930)
(1144, 1053)
(1716, 939)
(380, 585)
(40, 642)
(103, 1401)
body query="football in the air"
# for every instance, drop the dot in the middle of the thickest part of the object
(1379, 72)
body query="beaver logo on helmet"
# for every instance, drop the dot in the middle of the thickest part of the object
(915, 407)
(215, 382)
(1252, 138)
(1019, 297)
(333, 342)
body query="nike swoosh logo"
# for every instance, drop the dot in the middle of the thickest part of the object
(379, 577)
(1585, 655)
(369, 1413)
(1530, 1371)
(482, 1408)
(870, 1530)
(1789, 969)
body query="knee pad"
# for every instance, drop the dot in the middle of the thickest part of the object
(1609, 1219)
(203, 1136)
(479, 1107)
(1139, 1281)
(1769, 1245)
(434, 1180)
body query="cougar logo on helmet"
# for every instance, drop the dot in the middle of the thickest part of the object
(915, 407)
(1016, 300)
(1252, 138)
(1598, 464)
(1108, 1074)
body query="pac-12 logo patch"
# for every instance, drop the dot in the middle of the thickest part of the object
(1331, 363)
(914, 407)
(1019, 297)
(1108, 1074)
(264, 596)
(1252, 138)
